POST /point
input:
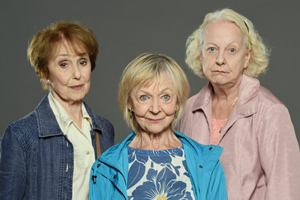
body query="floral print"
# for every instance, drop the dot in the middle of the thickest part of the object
(158, 175)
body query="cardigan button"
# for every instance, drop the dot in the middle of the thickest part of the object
(98, 165)
(210, 148)
(115, 176)
(201, 166)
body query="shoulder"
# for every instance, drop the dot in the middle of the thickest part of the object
(103, 121)
(267, 97)
(190, 103)
(25, 122)
(269, 104)
(200, 95)
(258, 99)
(252, 91)
(193, 98)
(24, 131)
(190, 106)
(272, 117)
(200, 100)
(99, 122)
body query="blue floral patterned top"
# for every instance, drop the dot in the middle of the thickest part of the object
(158, 175)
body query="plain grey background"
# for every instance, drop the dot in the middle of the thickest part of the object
(127, 28)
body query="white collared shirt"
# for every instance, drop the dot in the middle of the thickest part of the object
(84, 155)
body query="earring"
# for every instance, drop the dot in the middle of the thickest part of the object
(130, 112)
(48, 81)
(176, 113)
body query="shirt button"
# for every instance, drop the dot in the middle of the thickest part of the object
(201, 166)
(210, 148)
(88, 153)
(98, 165)
(115, 176)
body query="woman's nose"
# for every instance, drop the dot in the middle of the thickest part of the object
(155, 107)
(76, 72)
(220, 60)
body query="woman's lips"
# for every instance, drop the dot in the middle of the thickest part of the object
(155, 120)
(77, 87)
(219, 71)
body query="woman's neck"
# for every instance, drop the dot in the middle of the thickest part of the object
(155, 141)
(73, 109)
(223, 100)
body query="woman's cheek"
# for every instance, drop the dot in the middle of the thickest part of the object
(140, 110)
(169, 109)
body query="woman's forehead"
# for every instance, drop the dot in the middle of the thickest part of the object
(71, 47)
(158, 82)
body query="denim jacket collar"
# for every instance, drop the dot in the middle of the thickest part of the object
(47, 124)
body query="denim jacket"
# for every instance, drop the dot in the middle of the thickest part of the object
(37, 159)
(109, 173)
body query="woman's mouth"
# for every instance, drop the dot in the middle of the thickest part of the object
(219, 71)
(77, 87)
(155, 120)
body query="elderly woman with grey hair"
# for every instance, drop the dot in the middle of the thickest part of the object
(261, 156)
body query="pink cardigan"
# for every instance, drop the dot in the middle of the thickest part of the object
(261, 156)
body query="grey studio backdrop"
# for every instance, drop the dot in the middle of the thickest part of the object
(126, 28)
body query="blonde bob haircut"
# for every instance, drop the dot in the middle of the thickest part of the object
(44, 45)
(142, 71)
(259, 58)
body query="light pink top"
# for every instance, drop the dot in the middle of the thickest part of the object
(216, 125)
(261, 157)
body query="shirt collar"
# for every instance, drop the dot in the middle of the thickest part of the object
(247, 99)
(62, 117)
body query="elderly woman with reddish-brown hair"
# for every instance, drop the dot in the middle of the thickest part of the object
(48, 154)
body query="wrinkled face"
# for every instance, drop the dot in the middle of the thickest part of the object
(224, 54)
(69, 74)
(154, 105)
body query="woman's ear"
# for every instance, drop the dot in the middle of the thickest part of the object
(247, 59)
(129, 106)
(44, 77)
(200, 58)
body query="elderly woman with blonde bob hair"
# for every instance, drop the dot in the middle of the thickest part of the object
(261, 156)
(49, 153)
(154, 161)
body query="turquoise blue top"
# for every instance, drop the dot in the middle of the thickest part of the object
(109, 174)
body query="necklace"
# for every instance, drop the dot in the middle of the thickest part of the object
(221, 127)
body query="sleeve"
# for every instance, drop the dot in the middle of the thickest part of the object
(279, 153)
(217, 186)
(12, 167)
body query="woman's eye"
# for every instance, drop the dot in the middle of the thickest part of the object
(143, 97)
(166, 97)
(232, 50)
(211, 49)
(83, 62)
(63, 65)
